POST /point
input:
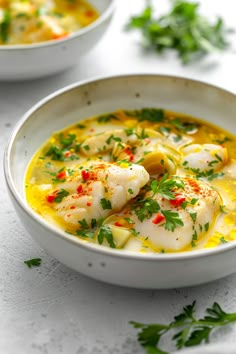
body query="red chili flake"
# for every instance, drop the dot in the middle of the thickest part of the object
(129, 153)
(61, 175)
(158, 218)
(79, 189)
(179, 199)
(194, 185)
(89, 13)
(89, 203)
(60, 36)
(68, 215)
(117, 223)
(50, 198)
(85, 175)
(147, 140)
(67, 153)
(72, 207)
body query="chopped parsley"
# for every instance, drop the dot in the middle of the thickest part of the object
(34, 262)
(107, 118)
(105, 203)
(86, 230)
(66, 148)
(4, 26)
(105, 233)
(62, 193)
(188, 330)
(184, 126)
(209, 175)
(172, 220)
(182, 29)
(223, 240)
(144, 208)
(155, 115)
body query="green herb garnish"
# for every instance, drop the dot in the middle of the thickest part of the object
(172, 220)
(4, 26)
(105, 203)
(190, 331)
(144, 208)
(62, 193)
(155, 115)
(106, 233)
(34, 262)
(183, 29)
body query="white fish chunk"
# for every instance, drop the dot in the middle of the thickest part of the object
(204, 157)
(105, 142)
(196, 205)
(99, 189)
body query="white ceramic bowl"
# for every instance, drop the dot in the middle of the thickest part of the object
(217, 348)
(86, 99)
(22, 62)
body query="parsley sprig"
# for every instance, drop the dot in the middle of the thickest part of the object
(34, 262)
(5, 26)
(145, 207)
(105, 233)
(166, 186)
(190, 331)
(65, 143)
(208, 174)
(182, 29)
(155, 115)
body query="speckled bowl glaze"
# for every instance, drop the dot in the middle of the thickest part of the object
(103, 95)
(24, 62)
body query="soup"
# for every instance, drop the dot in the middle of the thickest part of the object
(32, 21)
(146, 180)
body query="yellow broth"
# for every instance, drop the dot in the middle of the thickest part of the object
(187, 203)
(33, 21)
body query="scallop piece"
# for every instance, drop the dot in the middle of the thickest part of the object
(179, 222)
(204, 157)
(100, 189)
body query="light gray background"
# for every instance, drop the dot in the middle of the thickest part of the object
(52, 309)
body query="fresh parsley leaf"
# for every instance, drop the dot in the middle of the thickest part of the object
(55, 153)
(62, 193)
(155, 115)
(4, 26)
(34, 262)
(105, 233)
(85, 233)
(172, 220)
(83, 224)
(190, 331)
(107, 118)
(105, 203)
(184, 126)
(223, 240)
(209, 175)
(66, 141)
(166, 185)
(146, 208)
(182, 29)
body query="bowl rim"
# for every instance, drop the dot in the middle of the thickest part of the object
(92, 247)
(74, 35)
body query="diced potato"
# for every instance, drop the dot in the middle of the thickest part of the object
(120, 235)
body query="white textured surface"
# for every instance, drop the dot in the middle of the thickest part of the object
(51, 309)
